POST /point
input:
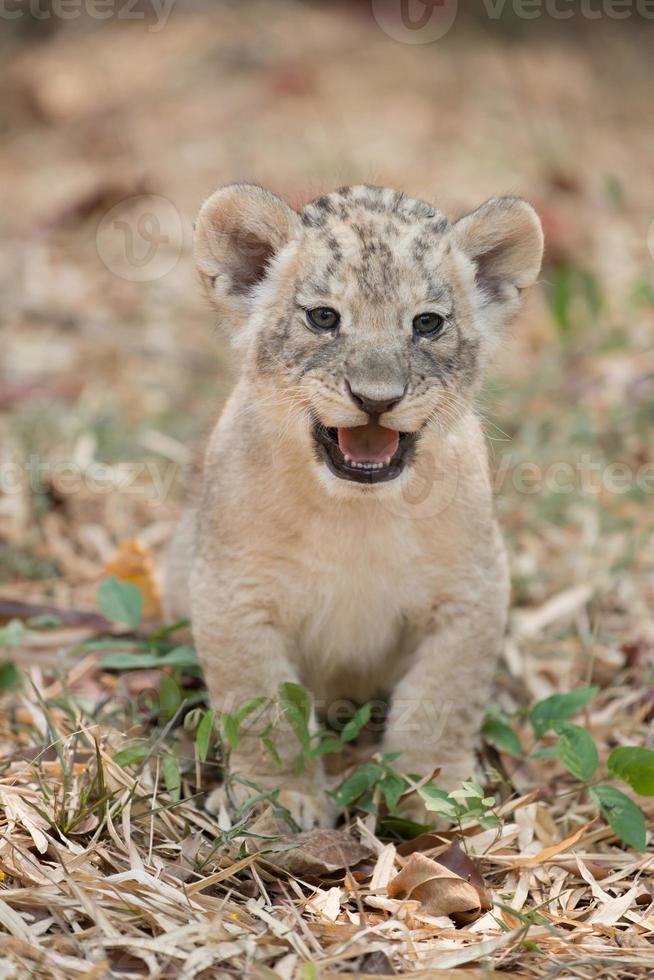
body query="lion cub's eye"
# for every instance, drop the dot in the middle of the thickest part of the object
(323, 318)
(428, 324)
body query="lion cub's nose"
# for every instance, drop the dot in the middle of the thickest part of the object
(371, 404)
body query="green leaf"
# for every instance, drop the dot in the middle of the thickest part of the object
(406, 829)
(625, 818)
(120, 602)
(358, 783)
(248, 707)
(272, 751)
(45, 621)
(356, 723)
(559, 707)
(9, 675)
(636, 766)
(325, 746)
(129, 661)
(172, 775)
(167, 630)
(203, 735)
(469, 793)
(577, 750)
(548, 752)
(561, 299)
(193, 718)
(501, 736)
(170, 696)
(392, 787)
(438, 801)
(230, 729)
(13, 634)
(133, 753)
(295, 704)
(181, 657)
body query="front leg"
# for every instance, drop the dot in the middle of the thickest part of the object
(437, 707)
(245, 655)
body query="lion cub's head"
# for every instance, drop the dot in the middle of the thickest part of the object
(367, 317)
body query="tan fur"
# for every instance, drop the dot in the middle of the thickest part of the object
(287, 571)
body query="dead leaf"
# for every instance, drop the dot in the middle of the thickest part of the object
(454, 858)
(313, 854)
(439, 890)
(549, 852)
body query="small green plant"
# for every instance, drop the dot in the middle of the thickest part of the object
(576, 749)
(377, 781)
(462, 805)
(11, 636)
(122, 603)
(575, 298)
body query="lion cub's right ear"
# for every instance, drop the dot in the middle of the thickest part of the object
(239, 230)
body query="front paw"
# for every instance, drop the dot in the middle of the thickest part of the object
(307, 806)
(308, 809)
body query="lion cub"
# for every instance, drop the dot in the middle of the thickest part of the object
(342, 532)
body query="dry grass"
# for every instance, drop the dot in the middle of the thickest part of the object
(105, 873)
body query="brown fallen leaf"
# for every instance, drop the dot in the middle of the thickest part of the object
(311, 854)
(454, 858)
(439, 890)
(550, 852)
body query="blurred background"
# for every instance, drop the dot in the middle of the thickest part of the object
(118, 119)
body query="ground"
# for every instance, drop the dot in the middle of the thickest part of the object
(111, 369)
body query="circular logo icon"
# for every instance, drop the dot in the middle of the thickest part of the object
(429, 489)
(141, 238)
(415, 21)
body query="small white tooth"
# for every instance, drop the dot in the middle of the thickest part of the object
(387, 461)
(346, 458)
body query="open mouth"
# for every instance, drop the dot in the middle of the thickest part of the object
(364, 453)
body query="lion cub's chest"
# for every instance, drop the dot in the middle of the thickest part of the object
(358, 590)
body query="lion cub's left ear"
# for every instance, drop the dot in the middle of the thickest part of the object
(504, 240)
(238, 232)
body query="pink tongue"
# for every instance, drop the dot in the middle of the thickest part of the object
(368, 443)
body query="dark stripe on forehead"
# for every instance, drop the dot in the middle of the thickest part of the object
(333, 245)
